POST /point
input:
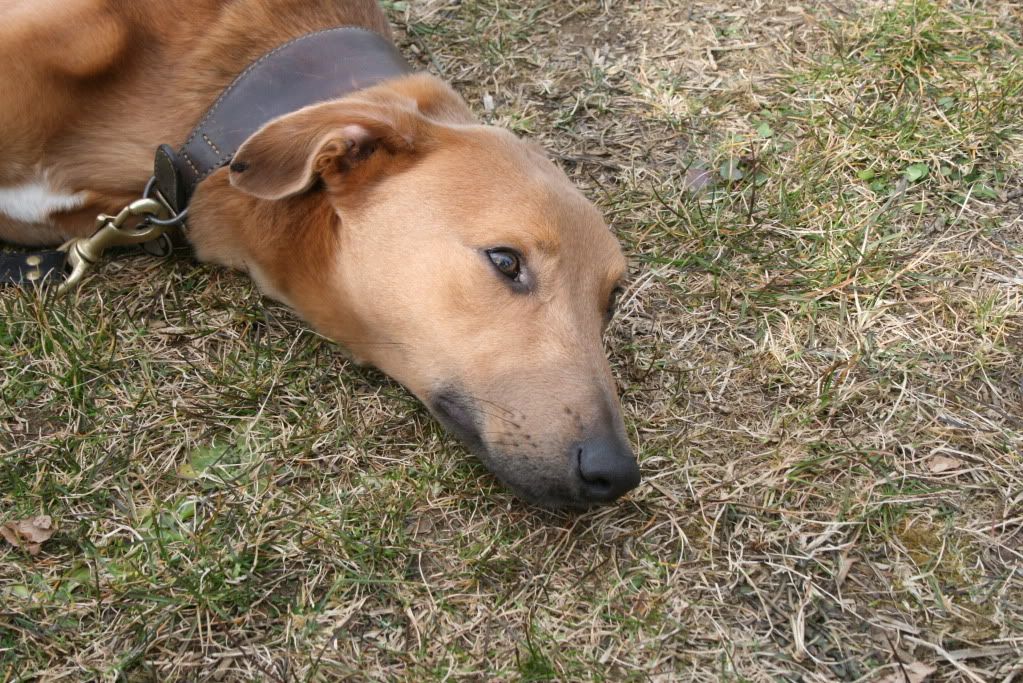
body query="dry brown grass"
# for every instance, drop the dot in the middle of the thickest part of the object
(820, 363)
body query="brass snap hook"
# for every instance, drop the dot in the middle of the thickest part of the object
(85, 252)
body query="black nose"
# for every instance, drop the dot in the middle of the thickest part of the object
(607, 469)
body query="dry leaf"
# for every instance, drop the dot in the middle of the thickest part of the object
(28, 533)
(943, 463)
(917, 672)
(697, 178)
(845, 563)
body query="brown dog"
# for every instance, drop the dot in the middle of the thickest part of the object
(451, 255)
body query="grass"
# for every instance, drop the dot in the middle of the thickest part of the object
(819, 355)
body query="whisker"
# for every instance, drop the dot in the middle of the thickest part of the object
(353, 342)
(503, 418)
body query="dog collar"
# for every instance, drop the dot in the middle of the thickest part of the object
(311, 69)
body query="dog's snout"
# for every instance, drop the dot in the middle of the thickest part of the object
(607, 469)
(600, 464)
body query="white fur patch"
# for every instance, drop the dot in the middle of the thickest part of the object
(34, 202)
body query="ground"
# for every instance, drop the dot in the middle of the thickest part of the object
(819, 354)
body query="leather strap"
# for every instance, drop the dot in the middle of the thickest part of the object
(22, 268)
(314, 68)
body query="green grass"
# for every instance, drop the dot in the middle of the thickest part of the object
(819, 355)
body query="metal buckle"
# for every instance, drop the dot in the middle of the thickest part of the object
(85, 252)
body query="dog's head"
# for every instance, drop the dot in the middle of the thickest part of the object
(457, 259)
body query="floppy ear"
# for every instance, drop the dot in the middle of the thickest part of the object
(285, 157)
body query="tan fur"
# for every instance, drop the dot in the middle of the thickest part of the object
(370, 215)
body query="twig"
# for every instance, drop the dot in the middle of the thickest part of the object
(965, 670)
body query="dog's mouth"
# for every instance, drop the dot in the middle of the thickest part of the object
(455, 411)
(459, 415)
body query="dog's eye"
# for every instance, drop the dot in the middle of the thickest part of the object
(506, 261)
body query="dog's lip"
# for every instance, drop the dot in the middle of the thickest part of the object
(454, 410)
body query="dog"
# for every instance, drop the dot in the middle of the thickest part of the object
(451, 255)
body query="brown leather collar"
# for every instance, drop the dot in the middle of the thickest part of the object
(311, 69)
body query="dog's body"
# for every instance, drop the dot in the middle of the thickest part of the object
(89, 87)
(451, 255)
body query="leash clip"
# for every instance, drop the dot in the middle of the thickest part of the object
(113, 231)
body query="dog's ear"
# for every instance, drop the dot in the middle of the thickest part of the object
(329, 141)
